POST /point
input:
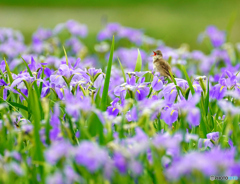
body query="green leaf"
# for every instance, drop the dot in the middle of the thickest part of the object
(14, 104)
(138, 66)
(96, 127)
(174, 81)
(19, 106)
(96, 76)
(107, 79)
(41, 83)
(47, 133)
(123, 73)
(188, 80)
(66, 80)
(65, 55)
(207, 100)
(82, 89)
(35, 106)
(98, 99)
(203, 123)
(187, 93)
(8, 71)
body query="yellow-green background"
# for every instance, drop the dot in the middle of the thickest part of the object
(175, 22)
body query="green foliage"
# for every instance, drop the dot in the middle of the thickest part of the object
(123, 73)
(138, 62)
(107, 78)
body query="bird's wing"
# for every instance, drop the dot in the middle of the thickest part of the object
(165, 66)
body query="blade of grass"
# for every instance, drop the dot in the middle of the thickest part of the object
(124, 76)
(34, 104)
(138, 66)
(17, 105)
(174, 81)
(188, 79)
(41, 83)
(207, 100)
(8, 71)
(65, 55)
(96, 127)
(107, 79)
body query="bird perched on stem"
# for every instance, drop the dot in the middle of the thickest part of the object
(160, 65)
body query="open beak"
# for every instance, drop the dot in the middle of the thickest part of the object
(154, 54)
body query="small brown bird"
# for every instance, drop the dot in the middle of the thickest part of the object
(160, 65)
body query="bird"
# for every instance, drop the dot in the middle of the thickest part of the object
(160, 65)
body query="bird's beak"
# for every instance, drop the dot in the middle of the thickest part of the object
(154, 54)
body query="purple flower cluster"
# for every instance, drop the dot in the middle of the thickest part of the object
(151, 130)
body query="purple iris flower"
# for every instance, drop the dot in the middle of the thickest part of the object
(55, 85)
(56, 178)
(11, 43)
(2, 83)
(93, 71)
(55, 123)
(230, 81)
(214, 136)
(197, 88)
(91, 156)
(140, 89)
(142, 92)
(151, 107)
(189, 107)
(132, 114)
(76, 28)
(214, 162)
(194, 117)
(75, 45)
(108, 31)
(171, 143)
(113, 109)
(18, 82)
(216, 36)
(133, 35)
(219, 90)
(99, 81)
(80, 78)
(58, 150)
(34, 66)
(39, 38)
(157, 84)
(197, 55)
(169, 92)
(2, 66)
(42, 34)
(76, 103)
(228, 107)
(169, 115)
(64, 70)
(120, 162)
(205, 143)
(136, 167)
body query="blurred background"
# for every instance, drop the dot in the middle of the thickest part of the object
(174, 22)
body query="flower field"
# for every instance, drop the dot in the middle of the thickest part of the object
(73, 114)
